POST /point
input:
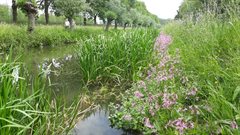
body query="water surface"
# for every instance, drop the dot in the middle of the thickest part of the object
(66, 82)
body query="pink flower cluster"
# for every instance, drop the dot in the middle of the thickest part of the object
(142, 84)
(234, 125)
(147, 123)
(138, 94)
(193, 109)
(193, 92)
(180, 125)
(162, 43)
(169, 100)
(127, 117)
(165, 70)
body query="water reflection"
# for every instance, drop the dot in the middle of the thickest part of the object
(65, 80)
(96, 124)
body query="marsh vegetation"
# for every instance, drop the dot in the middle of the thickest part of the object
(134, 78)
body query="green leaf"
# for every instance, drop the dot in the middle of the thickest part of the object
(236, 93)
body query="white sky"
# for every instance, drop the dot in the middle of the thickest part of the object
(165, 9)
(5, 1)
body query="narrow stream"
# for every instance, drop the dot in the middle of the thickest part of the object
(65, 80)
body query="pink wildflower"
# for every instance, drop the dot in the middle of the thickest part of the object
(138, 94)
(141, 84)
(234, 125)
(157, 106)
(193, 92)
(151, 111)
(150, 98)
(169, 100)
(162, 43)
(180, 125)
(147, 123)
(127, 117)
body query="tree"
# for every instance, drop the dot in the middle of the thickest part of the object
(14, 11)
(30, 9)
(98, 8)
(110, 17)
(127, 19)
(115, 11)
(119, 11)
(70, 8)
(45, 4)
(130, 4)
(135, 16)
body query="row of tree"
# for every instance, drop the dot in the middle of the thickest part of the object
(121, 12)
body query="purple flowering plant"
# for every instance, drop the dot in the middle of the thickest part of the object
(160, 100)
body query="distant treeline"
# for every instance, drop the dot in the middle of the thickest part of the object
(86, 12)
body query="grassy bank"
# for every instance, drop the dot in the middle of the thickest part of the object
(16, 36)
(193, 88)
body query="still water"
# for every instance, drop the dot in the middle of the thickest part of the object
(96, 124)
(65, 80)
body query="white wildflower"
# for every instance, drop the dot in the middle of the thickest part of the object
(55, 63)
(15, 74)
(69, 57)
(46, 71)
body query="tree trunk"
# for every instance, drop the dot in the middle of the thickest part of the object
(104, 21)
(116, 25)
(46, 8)
(84, 19)
(95, 19)
(14, 11)
(125, 25)
(108, 25)
(31, 21)
(71, 23)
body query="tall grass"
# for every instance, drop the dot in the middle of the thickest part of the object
(204, 99)
(27, 105)
(210, 54)
(116, 56)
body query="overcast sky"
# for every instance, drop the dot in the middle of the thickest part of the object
(165, 9)
(162, 8)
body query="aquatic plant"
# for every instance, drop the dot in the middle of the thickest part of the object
(115, 57)
(27, 105)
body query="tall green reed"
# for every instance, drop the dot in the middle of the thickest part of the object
(116, 56)
(27, 105)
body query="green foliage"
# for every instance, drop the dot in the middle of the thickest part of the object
(22, 5)
(69, 8)
(127, 17)
(98, 7)
(116, 56)
(114, 9)
(110, 15)
(4, 13)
